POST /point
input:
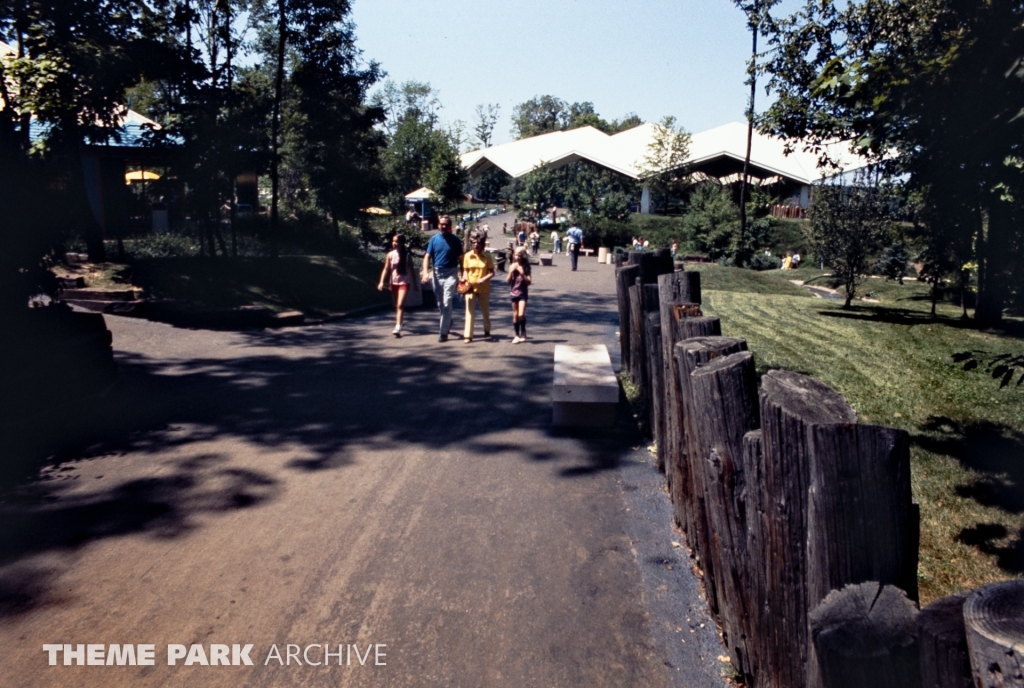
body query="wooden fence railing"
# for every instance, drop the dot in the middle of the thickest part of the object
(799, 517)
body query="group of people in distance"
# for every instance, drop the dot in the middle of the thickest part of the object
(448, 266)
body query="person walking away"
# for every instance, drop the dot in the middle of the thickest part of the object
(795, 263)
(574, 238)
(521, 237)
(444, 253)
(519, 281)
(534, 241)
(477, 270)
(556, 242)
(398, 272)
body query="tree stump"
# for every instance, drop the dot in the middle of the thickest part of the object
(688, 494)
(994, 621)
(724, 394)
(865, 637)
(625, 277)
(790, 405)
(942, 644)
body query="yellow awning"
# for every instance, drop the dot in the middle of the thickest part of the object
(140, 175)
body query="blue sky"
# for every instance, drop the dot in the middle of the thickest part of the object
(657, 57)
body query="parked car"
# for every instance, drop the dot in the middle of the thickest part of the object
(494, 211)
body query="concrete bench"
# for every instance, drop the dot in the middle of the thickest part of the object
(546, 260)
(585, 390)
(587, 252)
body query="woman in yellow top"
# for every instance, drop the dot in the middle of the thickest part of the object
(477, 270)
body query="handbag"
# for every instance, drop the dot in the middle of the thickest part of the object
(463, 287)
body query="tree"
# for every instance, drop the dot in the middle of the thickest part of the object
(540, 189)
(756, 10)
(445, 175)
(849, 223)
(710, 221)
(931, 90)
(539, 115)
(337, 126)
(73, 62)
(663, 167)
(412, 99)
(486, 120)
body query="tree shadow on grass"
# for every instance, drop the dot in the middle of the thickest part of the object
(909, 316)
(303, 397)
(996, 454)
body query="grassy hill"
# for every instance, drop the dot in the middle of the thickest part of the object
(893, 364)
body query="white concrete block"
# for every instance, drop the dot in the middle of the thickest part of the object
(585, 390)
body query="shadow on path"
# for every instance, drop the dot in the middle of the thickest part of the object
(310, 393)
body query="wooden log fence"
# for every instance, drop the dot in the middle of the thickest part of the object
(795, 513)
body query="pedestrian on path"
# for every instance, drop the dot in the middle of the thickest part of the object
(574, 237)
(519, 280)
(477, 271)
(534, 241)
(556, 241)
(398, 272)
(444, 252)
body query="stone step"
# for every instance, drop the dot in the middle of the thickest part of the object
(102, 306)
(70, 282)
(101, 294)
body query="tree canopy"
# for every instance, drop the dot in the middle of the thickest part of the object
(930, 90)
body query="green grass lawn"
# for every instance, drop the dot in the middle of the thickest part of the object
(893, 364)
(315, 285)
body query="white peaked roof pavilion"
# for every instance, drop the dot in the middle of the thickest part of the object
(717, 152)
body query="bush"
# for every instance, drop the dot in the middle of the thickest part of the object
(761, 261)
(711, 220)
(894, 262)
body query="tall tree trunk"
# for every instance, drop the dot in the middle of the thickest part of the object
(741, 255)
(993, 251)
(276, 124)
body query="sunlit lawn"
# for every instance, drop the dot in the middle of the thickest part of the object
(893, 363)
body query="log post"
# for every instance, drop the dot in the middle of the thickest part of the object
(724, 395)
(754, 508)
(862, 523)
(942, 644)
(625, 277)
(675, 289)
(637, 349)
(994, 621)
(655, 380)
(790, 405)
(865, 637)
(688, 491)
(680, 329)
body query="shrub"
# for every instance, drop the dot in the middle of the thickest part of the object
(761, 261)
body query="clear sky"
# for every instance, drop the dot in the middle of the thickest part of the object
(685, 58)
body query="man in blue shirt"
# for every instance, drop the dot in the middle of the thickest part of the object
(444, 253)
(574, 237)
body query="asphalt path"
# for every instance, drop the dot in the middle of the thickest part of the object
(334, 485)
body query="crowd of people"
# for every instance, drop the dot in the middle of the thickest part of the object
(453, 271)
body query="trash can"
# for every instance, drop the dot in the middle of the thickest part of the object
(160, 221)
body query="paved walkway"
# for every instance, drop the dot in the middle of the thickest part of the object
(332, 484)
